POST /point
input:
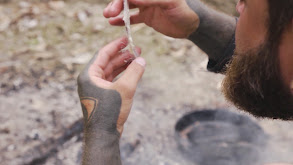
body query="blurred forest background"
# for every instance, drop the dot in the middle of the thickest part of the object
(44, 45)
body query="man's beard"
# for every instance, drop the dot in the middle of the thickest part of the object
(253, 83)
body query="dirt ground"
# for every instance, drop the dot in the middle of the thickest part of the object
(45, 44)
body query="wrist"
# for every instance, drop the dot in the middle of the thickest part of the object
(215, 30)
(101, 147)
(203, 12)
(100, 138)
(101, 132)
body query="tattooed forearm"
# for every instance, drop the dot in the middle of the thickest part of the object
(215, 30)
(101, 148)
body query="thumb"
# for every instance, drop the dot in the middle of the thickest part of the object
(133, 74)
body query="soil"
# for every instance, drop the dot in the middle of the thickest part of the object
(45, 44)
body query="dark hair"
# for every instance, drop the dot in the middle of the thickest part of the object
(280, 16)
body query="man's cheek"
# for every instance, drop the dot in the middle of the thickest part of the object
(240, 34)
(248, 36)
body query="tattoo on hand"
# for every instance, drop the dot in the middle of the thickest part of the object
(89, 105)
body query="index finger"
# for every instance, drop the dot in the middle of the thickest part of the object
(109, 51)
(115, 7)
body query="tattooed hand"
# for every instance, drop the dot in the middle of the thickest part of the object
(106, 104)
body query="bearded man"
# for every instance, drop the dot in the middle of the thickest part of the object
(257, 59)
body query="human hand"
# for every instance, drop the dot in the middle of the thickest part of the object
(106, 104)
(171, 17)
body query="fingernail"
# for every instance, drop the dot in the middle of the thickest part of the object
(140, 61)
